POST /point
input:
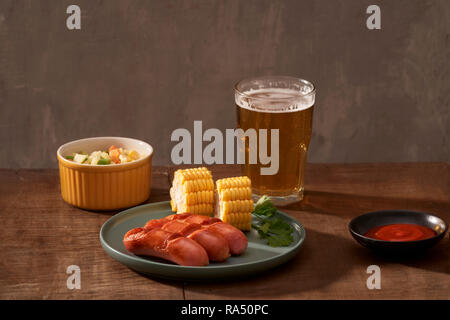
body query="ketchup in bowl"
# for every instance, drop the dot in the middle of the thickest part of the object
(400, 232)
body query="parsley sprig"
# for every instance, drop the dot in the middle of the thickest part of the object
(274, 229)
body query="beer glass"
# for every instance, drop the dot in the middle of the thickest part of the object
(286, 104)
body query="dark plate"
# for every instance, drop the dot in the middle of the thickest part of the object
(257, 258)
(363, 223)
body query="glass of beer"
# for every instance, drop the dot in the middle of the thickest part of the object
(284, 107)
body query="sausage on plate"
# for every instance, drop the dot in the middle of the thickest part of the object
(166, 245)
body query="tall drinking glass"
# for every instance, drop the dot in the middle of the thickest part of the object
(286, 104)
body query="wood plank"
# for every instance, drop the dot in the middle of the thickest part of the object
(42, 235)
(331, 265)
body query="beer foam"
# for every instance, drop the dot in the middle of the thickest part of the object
(276, 100)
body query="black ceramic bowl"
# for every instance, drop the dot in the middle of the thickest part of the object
(363, 223)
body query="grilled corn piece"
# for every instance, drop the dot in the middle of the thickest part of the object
(234, 204)
(192, 191)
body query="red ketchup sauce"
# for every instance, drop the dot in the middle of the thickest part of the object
(400, 232)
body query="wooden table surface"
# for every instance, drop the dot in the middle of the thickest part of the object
(41, 235)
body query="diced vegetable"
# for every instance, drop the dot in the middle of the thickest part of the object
(104, 161)
(133, 155)
(123, 158)
(94, 157)
(80, 158)
(112, 148)
(105, 155)
(114, 154)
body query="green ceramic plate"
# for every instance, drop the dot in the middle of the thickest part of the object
(258, 257)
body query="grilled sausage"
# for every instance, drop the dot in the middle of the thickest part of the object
(215, 244)
(237, 241)
(167, 245)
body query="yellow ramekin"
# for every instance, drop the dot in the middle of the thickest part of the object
(105, 187)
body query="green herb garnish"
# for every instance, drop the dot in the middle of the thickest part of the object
(264, 207)
(274, 229)
(69, 157)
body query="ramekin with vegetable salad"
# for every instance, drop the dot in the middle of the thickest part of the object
(105, 173)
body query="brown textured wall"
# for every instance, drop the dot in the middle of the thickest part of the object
(144, 68)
